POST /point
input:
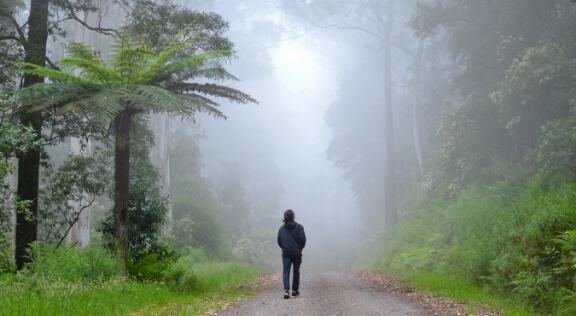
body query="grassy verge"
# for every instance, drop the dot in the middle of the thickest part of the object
(35, 295)
(460, 289)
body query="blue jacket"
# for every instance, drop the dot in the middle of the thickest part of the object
(291, 238)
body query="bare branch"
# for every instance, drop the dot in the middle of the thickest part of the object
(51, 64)
(10, 37)
(72, 16)
(105, 31)
(74, 221)
(19, 30)
(353, 28)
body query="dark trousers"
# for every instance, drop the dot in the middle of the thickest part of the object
(288, 261)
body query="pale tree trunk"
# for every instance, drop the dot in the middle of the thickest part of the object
(164, 162)
(122, 183)
(251, 187)
(11, 181)
(418, 147)
(390, 211)
(416, 131)
(80, 232)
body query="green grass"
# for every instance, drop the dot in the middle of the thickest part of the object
(36, 295)
(213, 276)
(460, 289)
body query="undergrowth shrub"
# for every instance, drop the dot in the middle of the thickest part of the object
(175, 269)
(151, 267)
(536, 258)
(566, 270)
(196, 225)
(181, 280)
(535, 289)
(452, 238)
(256, 249)
(70, 264)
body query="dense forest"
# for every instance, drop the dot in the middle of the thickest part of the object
(430, 136)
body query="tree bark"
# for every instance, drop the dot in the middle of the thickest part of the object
(122, 183)
(26, 230)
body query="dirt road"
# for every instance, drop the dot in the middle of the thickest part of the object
(326, 294)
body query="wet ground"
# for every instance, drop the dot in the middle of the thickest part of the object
(327, 294)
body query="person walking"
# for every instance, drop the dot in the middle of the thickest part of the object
(292, 239)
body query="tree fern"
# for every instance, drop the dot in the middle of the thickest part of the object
(136, 81)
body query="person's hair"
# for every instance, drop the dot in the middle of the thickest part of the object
(288, 216)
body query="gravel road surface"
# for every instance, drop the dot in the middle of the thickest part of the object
(326, 294)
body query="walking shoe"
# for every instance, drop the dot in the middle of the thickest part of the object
(295, 293)
(286, 294)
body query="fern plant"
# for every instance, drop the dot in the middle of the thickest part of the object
(135, 81)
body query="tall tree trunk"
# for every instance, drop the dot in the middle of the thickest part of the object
(29, 162)
(390, 212)
(164, 162)
(418, 147)
(416, 131)
(122, 183)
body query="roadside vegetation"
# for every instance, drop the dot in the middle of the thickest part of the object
(90, 282)
(514, 240)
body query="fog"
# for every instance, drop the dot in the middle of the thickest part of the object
(317, 140)
(335, 102)
(279, 147)
(288, 129)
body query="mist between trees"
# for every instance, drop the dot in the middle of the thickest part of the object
(405, 135)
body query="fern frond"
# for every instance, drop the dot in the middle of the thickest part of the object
(81, 50)
(200, 104)
(178, 44)
(214, 90)
(92, 71)
(128, 60)
(104, 104)
(215, 72)
(46, 95)
(52, 74)
(155, 99)
(192, 64)
(139, 60)
(175, 47)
